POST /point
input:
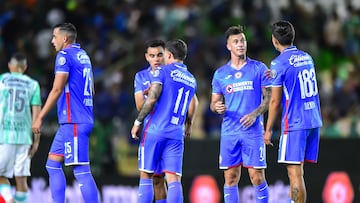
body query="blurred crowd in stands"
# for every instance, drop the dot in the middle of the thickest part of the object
(114, 31)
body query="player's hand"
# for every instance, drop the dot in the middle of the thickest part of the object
(36, 125)
(248, 120)
(188, 130)
(220, 107)
(134, 132)
(146, 92)
(268, 74)
(267, 138)
(33, 149)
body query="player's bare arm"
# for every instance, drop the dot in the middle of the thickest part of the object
(58, 86)
(153, 96)
(139, 100)
(191, 115)
(249, 119)
(274, 108)
(150, 101)
(217, 104)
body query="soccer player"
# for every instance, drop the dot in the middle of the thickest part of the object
(241, 92)
(73, 92)
(171, 105)
(294, 85)
(154, 55)
(20, 103)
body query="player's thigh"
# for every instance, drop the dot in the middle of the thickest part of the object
(22, 161)
(292, 147)
(76, 142)
(312, 145)
(149, 153)
(172, 156)
(230, 152)
(254, 151)
(7, 160)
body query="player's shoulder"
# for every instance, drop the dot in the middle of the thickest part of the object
(256, 63)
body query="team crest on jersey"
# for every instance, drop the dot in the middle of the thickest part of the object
(229, 88)
(273, 73)
(238, 75)
(62, 60)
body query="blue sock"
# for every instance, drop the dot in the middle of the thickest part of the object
(57, 180)
(146, 190)
(160, 201)
(231, 194)
(87, 183)
(175, 193)
(262, 193)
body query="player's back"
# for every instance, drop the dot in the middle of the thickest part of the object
(300, 91)
(75, 105)
(169, 114)
(18, 93)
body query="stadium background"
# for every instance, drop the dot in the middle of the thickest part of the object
(114, 31)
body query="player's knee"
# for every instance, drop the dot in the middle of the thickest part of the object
(81, 171)
(53, 166)
(158, 181)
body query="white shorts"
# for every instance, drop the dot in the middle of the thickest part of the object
(14, 160)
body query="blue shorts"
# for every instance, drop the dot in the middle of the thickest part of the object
(298, 146)
(72, 142)
(247, 150)
(160, 155)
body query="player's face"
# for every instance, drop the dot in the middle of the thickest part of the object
(155, 56)
(58, 39)
(237, 45)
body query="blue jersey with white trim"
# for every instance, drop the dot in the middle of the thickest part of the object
(142, 80)
(294, 71)
(242, 90)
(169, 114)
(75, 104)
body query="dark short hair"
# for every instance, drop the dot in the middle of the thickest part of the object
(154, 43)
(69, 29)
(284, 32)
(234, 30)
(20, 59)
(177, 47)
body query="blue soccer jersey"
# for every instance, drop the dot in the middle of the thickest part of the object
(169, 114)
(75, 104)
(142, 80)
(294, 70)
(242, 92)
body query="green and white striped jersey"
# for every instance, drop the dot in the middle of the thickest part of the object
(18, 92)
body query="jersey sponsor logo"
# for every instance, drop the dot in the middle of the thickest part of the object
(179, 76)
(83, 58)
(62, 61)
(298, 60)
(229, 88)
(239, 86)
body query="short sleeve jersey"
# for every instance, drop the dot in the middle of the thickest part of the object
(242, 91)
(294, 71)
(18, 94)
(178, 88)
(75, 104)
(142, 80)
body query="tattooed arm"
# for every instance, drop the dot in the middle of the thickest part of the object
(150, 101)
(249, 119)
(153, 96)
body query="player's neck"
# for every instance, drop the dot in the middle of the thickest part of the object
(238, 62)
